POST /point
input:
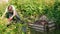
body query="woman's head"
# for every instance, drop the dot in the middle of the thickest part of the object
(9, 8)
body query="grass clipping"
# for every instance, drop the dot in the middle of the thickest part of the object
(4, 29)
(3, 21)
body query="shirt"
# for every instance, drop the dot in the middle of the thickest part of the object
(14, 11)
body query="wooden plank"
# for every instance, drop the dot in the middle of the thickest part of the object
(39, 30)
(52, 28)
(35, 25)
(51, 25)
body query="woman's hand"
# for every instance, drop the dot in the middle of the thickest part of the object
(10, 19)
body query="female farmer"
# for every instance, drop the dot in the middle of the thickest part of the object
(11, 14)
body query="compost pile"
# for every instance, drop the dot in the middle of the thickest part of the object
(42, 25)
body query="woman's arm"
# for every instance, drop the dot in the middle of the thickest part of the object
(14, 13)
(4, 13)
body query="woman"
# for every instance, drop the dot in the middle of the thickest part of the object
(11, 14)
